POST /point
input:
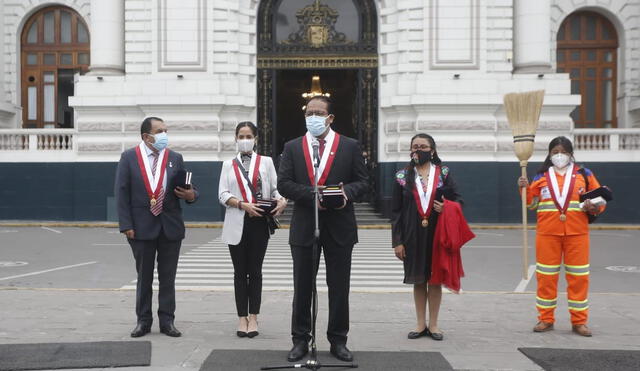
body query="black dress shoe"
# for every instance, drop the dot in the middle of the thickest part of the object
(140, 330)
(341, 352)
(252, 334)
(416, 335)
(241, 334)
(299, 350)
(170, 330)
(436, 336)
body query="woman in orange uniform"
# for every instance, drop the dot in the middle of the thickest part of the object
(562, 233)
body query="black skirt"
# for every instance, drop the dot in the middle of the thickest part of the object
(417, 263)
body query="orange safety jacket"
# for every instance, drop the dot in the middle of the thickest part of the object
(539, 198)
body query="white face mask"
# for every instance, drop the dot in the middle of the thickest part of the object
(560, 160)
(245, 145)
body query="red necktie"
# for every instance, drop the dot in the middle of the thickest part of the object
(322, 143)
(157, 208)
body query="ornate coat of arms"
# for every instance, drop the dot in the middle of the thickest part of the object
(317, 27)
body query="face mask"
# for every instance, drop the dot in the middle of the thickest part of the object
(245, 145)
(161, 141)
(421, 157)
(316, 125)
(560, 160)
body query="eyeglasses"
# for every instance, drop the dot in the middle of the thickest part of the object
(423, 147)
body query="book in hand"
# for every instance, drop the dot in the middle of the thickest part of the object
(332, 197)
(267, 206)
(598, 196)
(183, 179)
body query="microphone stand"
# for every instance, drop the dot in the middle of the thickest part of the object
(313, 363)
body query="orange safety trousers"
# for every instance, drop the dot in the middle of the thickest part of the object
(551, 250)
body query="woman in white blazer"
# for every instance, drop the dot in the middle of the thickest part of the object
(245, 228)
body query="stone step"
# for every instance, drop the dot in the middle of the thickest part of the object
(365, 215)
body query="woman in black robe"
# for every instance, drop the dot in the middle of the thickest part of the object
(413, 228)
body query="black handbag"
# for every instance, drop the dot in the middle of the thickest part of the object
(604, 192)
(267, 206)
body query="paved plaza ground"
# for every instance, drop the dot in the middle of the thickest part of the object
(61, 284)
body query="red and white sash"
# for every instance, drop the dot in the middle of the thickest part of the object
(254, 170)
(424, 200)
(332, 140)
(153, 184)
(561, 198)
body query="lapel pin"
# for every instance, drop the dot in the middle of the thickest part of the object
(170, 164)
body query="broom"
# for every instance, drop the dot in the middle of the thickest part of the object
(523, 113)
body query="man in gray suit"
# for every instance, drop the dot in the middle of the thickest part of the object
(147, 192)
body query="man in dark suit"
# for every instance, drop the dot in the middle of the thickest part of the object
(151, 218)
(341, 163)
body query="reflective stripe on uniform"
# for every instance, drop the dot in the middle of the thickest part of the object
(578, 305)
(577, 270)
(545, 303)
(547, 269)
(548, 206)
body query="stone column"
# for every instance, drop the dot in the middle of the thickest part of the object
(107, 37)
(2, 77)
(532, 36)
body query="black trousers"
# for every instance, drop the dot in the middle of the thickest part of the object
(145, 252)
(247, 258)
(338, 263)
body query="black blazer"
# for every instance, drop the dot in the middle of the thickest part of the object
(293, 183)
(133, 201)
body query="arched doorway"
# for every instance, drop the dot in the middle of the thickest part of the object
(54, 46)
(588, 51)
(303, 42)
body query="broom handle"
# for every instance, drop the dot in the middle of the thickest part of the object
(525, 247)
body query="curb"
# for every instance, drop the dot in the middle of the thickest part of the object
(603, 227)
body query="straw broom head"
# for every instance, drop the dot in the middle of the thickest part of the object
(523, 113)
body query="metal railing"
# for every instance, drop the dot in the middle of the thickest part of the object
(37, 140)
(606, 139)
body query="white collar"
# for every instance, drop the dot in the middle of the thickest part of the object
(327, 139)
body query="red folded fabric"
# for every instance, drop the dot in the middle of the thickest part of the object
(452, 232)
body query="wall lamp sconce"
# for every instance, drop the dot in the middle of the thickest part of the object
(541, 75)
(456, 76)
(180, 76)
(99, 78)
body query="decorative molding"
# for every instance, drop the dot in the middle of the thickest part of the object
(99, 147)
(439, 60)
(307, 62)
(543, 125)
(195, 147)
(229, 126)
(469, 146)
(456, 125)
(508, 146)
(190, 126)
(165, 62)
(194, 126)
(132, 126)
(99, 126)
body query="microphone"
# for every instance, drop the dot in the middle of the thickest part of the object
(316, 156)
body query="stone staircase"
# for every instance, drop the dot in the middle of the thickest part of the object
(365, 215)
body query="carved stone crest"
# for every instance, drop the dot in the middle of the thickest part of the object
(317, 27)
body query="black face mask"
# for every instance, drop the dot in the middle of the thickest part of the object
(423, 157)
